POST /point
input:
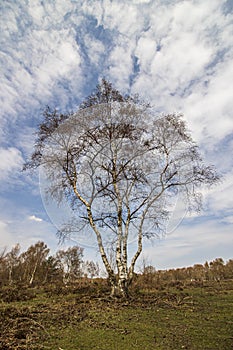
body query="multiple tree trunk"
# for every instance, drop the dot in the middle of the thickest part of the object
(119, 165)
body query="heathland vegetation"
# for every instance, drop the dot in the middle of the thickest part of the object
(58, 302)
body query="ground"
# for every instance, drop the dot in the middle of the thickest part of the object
(83, 318)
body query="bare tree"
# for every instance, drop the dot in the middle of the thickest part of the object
(71, 263)
(12, 262)
(92, 268)
(119, 166)
(32, 261)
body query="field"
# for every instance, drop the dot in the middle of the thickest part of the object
(86, 317)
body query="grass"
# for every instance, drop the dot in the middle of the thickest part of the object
(192, 318)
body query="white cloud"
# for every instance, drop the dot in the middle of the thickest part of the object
(11, 161)
(122, 55)
(228, 219)
(209, 109)
(36, 59)
(123, 17)
(34, 218)
(95, 49)
(49, 14)
(36, 11)
(220, 198)
(7, 239)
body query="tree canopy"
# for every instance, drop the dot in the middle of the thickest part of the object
(118, 165)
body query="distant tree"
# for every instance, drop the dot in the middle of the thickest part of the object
(198, 272)
(207, 271)
(149, 275)
(32, 262)
(3, 268)
(217, 269)
(229, 269)
(53, 273)
(149, 270)
(118, 165)
(71, 263)
(12, 261)
(92, 268)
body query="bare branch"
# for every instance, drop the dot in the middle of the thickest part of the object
(118, 166)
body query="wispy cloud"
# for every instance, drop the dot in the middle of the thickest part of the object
(196, 242)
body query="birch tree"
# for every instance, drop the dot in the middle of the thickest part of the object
(118, 165)
(32, 261)
(12, 262)
(71, 261)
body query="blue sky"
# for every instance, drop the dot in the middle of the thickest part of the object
(176, 54)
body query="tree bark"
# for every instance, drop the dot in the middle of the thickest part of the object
(120, 289)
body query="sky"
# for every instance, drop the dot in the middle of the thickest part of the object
(176, 54)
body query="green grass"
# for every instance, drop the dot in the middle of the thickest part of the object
(192, 318)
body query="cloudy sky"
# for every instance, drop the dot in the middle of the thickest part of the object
(176, 54)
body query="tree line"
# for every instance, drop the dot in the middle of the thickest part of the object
(36, 266)
(216, 270)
